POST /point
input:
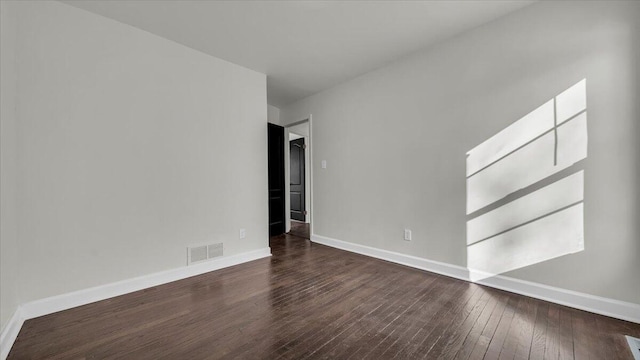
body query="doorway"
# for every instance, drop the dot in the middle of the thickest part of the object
(298, 178)
(276, 170)
(297, 186)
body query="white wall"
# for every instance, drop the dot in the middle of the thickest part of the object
(300, 129)
(395, 139)
(8, 175)
(273, 115)
(129, 151)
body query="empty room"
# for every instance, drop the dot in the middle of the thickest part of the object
(200, 179)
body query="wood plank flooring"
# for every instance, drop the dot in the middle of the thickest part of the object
(309, 301)
(299, 229)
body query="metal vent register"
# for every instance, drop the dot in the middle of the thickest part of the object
(634, 344)
(196, 254)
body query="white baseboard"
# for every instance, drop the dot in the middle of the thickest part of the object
(10, 333)
(86, 296)
(595, 304)
(591, 303)
(437, 267)
(70, 300)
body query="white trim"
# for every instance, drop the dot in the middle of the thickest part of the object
(437, 267)
(10, 333)
(592, 303)
(86, 296)
(595, 304)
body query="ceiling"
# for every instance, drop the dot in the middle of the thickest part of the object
(304, 47)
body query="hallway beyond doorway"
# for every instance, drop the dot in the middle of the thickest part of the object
(300, 229)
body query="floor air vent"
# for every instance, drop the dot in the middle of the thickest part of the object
(196, 254)
(634, 344)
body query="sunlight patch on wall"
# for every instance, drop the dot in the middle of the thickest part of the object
(540, 224)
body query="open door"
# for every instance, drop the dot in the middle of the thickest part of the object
(276, 179)
(297, 180)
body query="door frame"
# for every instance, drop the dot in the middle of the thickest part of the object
(287, 178)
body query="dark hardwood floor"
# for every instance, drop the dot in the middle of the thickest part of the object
(299, 229)
(312, 301)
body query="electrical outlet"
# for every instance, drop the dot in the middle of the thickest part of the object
(243, 233)
(407, 234)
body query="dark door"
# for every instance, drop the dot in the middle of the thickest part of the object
(276, 179)
(296, 166)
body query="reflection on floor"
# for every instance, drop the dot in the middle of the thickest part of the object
(310, 301)
(299, 229)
